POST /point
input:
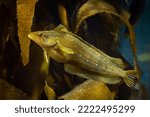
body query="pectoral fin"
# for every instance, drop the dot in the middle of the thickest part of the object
(63, 53)
(46, 56)
(74, 70)
(64, 49)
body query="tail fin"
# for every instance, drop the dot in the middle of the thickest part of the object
(132, 76)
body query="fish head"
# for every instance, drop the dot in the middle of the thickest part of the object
(45, 39)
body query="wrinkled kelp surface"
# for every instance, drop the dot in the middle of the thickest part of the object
(24, 72)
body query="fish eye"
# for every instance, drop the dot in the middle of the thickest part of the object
(45, 36)
(40, 34)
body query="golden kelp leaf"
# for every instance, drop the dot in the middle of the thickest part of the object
(63, 14)
(89, 90)
(50, 93)
(25, 13)
(93, 7)
(90, 8)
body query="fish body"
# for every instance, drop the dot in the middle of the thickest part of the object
(81, 58)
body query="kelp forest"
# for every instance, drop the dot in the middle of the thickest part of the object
(69, 50)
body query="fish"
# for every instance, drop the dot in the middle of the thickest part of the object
(81, 58)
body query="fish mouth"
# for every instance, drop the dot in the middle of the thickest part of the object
(33, 37)
(30, 36)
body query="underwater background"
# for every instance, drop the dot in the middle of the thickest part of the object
(142, 29)
(24, 73)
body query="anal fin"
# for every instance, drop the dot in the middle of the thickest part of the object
(74, 70)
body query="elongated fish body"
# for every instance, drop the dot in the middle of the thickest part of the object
(81, 58)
